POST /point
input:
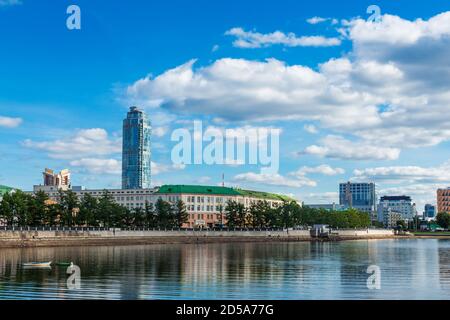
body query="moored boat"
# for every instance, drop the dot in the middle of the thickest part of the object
(37, 264)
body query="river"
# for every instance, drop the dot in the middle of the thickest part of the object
(409, 269)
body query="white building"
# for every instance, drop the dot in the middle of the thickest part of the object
(399, 204)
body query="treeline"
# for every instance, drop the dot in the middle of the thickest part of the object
(289, 215)
(23, 210)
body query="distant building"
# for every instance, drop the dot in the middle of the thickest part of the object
(4, 190)
(361, 196)
(61, 179)
(136, 152)
(443, 200)
(399, 204)
(429, 212)
(328, 207)
(390, 218)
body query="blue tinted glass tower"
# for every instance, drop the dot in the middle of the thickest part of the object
(136, 153)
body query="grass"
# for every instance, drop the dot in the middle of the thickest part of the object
(428, 233)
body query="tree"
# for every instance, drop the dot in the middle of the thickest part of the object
(88, 213)
(164, 214)
(68, 201)
(231, 214)
(150, 217)
(37, 209)
(107, 213)
(181, 214)
(443, 219)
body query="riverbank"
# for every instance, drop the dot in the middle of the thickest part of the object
(62, 238)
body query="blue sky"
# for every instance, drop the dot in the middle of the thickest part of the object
(367, 107)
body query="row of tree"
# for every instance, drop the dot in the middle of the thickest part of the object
(22, 209)
(291, 214)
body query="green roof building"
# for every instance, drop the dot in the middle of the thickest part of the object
(4, 190)
(205, 205)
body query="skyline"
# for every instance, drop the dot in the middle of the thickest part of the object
(365, 114)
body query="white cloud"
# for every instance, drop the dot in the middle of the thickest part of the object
(85, 143)
(317, 20)
(160, 131)
(10, 122)
(159, 168)
(390, 92)
(99, 166)
(406, 174)
(215, 48)
(322, 169)
(310, 128)
(250, 39)
(274, 179)
(336, 147)
(321, 198)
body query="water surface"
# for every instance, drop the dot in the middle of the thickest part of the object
(410, 269)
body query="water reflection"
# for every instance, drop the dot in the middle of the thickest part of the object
(411, 269)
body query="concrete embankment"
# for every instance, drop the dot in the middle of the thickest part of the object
(41, 238)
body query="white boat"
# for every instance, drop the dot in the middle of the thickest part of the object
(37, 264)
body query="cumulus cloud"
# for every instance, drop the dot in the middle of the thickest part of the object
(406, 174)
(159, 168)
(310, 128)
(9, 122)
(85, 143)
(251, 39)
(389, 92)
(99, 166)
(322, 169)
(274, 179)
(336, 147)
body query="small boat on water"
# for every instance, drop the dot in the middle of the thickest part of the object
(64, 264)
(37, 264)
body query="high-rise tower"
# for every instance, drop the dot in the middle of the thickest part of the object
(136, 152)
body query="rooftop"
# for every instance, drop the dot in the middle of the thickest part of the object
(225, 191)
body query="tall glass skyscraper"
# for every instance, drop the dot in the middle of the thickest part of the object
(136, 153)
(360, 196)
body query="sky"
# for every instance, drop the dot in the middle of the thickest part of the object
(354, 99)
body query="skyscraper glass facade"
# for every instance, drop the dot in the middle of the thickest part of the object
(360, 196)
(136, 151)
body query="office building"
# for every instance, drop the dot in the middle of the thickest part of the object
(443, 200)
(399, 204)
(429, 212)
(136, 151)
(360, 196)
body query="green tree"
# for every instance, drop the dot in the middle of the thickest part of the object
(150, 217)
(68, 201)
(231, 214)
(88, 213)
(181, 214)
(164, 213)
(443, 219)
(37, 209)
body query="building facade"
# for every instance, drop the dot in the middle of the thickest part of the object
(205, 205)
(429, 211)
(400, 204)
(136, 150)
(59, 180)
(443, 200)
(361, 196)
(327, 207)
